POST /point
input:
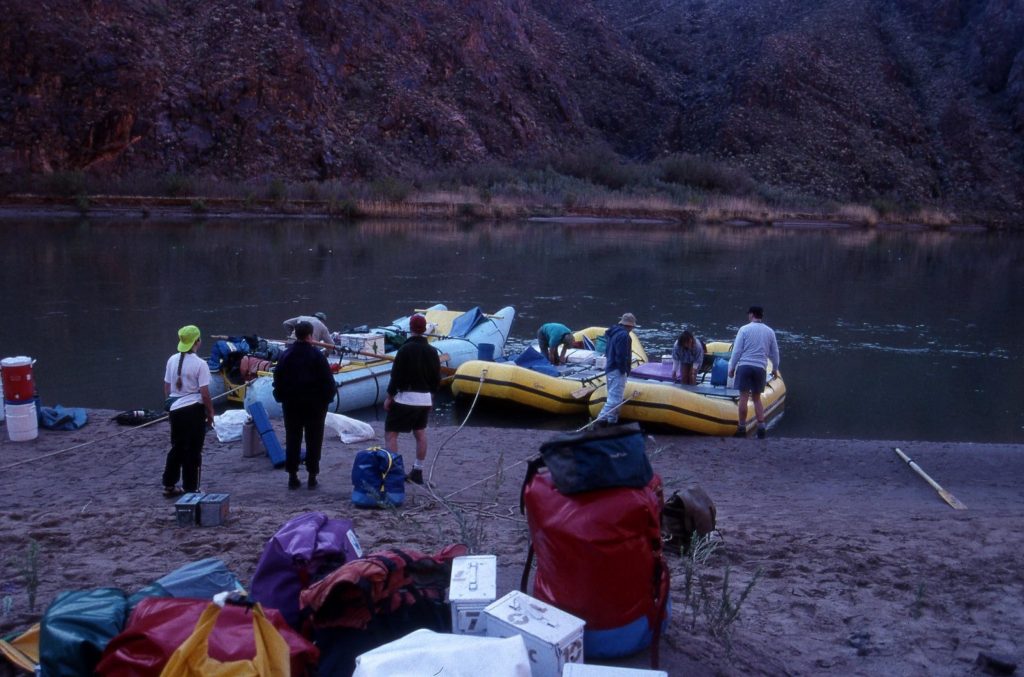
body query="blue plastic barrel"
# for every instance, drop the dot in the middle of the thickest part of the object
(720, 372)
(485, 352)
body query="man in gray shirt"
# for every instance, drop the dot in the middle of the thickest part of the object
(320, 331)
(754, 346)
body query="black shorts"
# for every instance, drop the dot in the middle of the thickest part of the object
(403, 418)
(750, 379)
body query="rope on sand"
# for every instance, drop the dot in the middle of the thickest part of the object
(446, 500)
(104, 439)
(479, 387)
(636, 393)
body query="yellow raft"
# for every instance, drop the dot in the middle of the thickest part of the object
(563, 394)
(703, 408)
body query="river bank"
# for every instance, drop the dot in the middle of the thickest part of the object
(861, 568)
(469, 207)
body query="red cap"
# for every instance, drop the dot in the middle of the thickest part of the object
(418, 324)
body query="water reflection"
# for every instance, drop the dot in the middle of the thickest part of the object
(884, 334)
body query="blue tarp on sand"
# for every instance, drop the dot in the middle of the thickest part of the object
(62, 418)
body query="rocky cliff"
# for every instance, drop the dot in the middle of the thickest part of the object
(911, 100)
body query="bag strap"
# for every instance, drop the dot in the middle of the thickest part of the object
(384, 475)
(663, 585)
(525, 580)
(532, 467)
(192, 657)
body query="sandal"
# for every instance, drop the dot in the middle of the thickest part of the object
(171, 492)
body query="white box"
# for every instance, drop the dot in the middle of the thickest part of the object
(553, 638)
(580, 670)
(370, 344)
(473, 586)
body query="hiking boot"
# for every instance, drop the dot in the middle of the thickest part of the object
(293, 481)
(311, 482)
(416, 476)
(741, 431)
(761, 432)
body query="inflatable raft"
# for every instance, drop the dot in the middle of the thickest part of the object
(532, 381)
(708, 408)
(362, 381)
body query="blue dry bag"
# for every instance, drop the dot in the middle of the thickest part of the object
(378, 479)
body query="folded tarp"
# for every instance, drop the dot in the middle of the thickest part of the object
(430, 653)
(62, 418)
(532, 359)
(463, 324)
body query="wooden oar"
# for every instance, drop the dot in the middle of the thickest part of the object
(444, 357)
(580, 393)
(427, 310)
(379, 356)
(946, 496)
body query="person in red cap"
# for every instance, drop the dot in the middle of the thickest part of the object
(415, 377)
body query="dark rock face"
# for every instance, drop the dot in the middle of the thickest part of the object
(916, 100)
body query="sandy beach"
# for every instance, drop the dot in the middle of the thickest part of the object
(861, 567)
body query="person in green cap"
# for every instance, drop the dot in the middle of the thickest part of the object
(187, 389)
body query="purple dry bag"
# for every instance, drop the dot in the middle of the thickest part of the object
(303, 551)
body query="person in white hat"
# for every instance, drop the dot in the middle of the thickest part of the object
(618, 363)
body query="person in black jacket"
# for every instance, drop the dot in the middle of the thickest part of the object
(304, 386)
(415, 377)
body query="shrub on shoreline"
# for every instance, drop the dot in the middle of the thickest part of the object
(592, 181)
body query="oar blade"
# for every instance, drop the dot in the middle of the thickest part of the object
(949, 498)
(580, 393)
(952, 500)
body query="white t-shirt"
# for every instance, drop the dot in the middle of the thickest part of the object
(195, 374)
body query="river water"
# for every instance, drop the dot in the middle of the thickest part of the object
(884, 334)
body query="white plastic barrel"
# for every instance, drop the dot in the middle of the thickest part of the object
(22, 421)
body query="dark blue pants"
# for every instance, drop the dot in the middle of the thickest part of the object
(302, 418)
(188, 432)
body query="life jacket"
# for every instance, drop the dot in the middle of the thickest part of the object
(378, 599)
(379, 585)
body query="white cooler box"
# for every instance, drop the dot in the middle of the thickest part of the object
(473, 586)
(553, 638)
(361, 343)
(579, 670)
